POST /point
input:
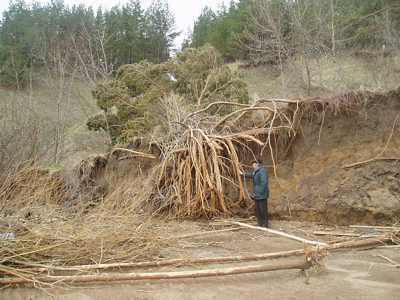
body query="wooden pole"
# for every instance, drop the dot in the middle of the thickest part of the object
(333, 233)
(375, 241)
(289, 236)
(171, 262)
(376, 227)
(197, 234)
(303, 265)
(134, 153)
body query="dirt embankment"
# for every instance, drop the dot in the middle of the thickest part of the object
(313, 183)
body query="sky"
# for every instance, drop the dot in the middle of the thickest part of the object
(185, 11)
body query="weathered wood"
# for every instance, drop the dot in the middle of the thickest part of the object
(332, 233)
(389, 247)
(289, 236)
(303, 265)
(204, 233)
(376, 227)
(375, 241)
(134, 153)
(171, 262)
(394, 263)
(357, 164)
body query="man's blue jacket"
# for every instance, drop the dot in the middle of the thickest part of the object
(260, 184)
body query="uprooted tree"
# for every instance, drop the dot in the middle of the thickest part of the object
(195, 111)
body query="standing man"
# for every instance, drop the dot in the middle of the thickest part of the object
(260, 192)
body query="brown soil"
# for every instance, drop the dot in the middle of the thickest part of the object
(312, 184)
(347, 275)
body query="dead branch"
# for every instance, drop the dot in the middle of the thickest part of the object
(197, 234)
(391, 261)
(357, 164)
(369, 242)
(336, 233)
(227, 117)
(171, 262)
(118, 277)
(379, 156)
(135, 153)
(208, 107)
(392, 228)
(287, 101)
(280, 233)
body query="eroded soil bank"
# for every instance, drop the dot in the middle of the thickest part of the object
(313, 183)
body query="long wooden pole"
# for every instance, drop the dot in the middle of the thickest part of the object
(376, 227)
(203, 233)
(289, 236)
(158, 275)
(369, 242)
(171, 262)
(336, 233)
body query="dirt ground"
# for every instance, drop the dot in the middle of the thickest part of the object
(357, 274)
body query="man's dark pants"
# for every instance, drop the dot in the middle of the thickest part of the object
(262, 212)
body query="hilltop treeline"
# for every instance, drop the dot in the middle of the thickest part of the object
(273, 29)
(77, 38)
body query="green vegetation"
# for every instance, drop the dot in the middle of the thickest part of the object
(267, 31)
(131, 101)
(54, 36)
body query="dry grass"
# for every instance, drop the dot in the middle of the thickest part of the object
(34, 204)
(41, 123)
(329, 76)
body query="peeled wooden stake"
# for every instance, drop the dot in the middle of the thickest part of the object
(303, 265)
(289, 236)
(170, 262)
(331, 233)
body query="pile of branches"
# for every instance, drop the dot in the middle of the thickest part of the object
(38, 226)
(203, 152)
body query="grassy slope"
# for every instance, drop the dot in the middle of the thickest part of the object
(48, 111)
(330, 75)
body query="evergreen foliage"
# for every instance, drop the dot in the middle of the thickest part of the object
(131, 101)
(94, 42)
(250, 29)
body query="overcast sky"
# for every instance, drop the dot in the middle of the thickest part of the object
(185, 11)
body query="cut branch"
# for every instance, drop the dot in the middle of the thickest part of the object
(280, 233)
(134, 153)
(106, 278)
(173, 262)
(336, 233)
(226, 118)
(208, 107)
